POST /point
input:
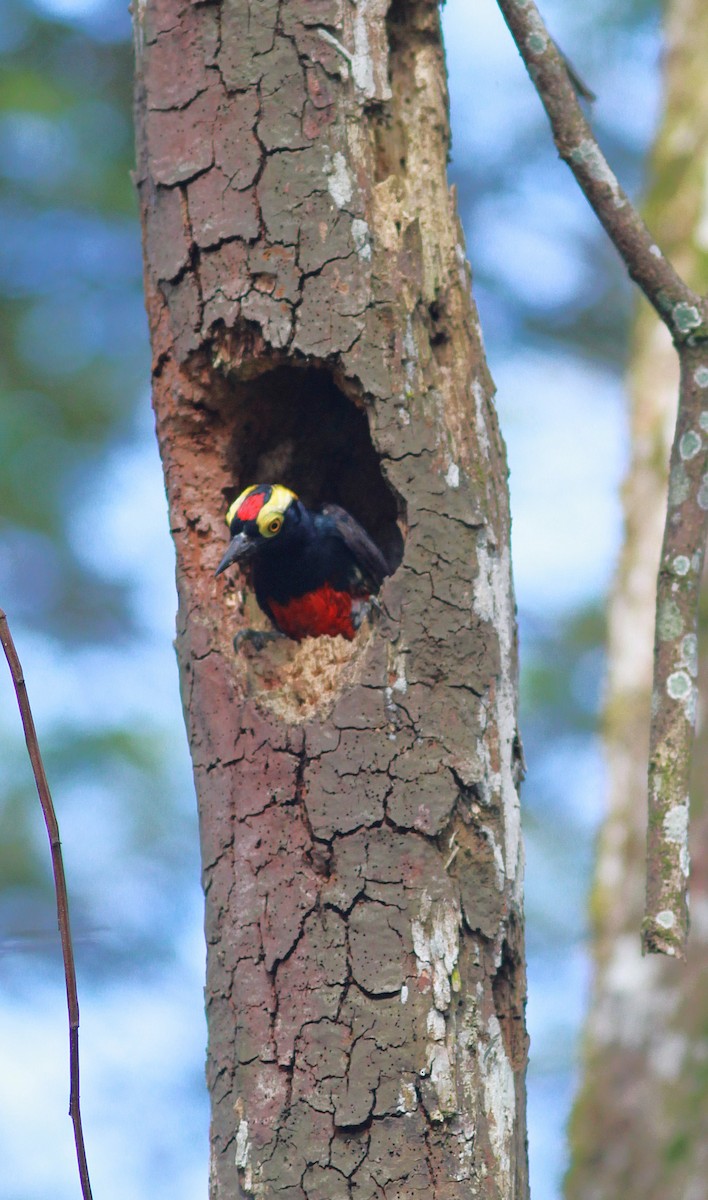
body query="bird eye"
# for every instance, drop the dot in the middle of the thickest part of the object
(275, 524)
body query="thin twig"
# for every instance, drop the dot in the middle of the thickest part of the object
(685, 314)
(676, 303)
(51, 823)
(580, 87)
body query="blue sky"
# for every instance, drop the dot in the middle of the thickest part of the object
(562, 415)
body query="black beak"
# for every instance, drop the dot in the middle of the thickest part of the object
(240, 548)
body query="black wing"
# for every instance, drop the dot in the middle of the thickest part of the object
(368, 557)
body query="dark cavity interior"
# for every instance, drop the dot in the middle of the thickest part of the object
(296, 427)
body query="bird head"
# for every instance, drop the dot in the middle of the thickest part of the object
(255, 519)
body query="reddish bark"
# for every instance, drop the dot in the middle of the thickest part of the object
(311, 324)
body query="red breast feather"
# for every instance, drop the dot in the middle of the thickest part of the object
(322, 613)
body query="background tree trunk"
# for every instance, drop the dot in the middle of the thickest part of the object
(311, 323)
(639, 1127)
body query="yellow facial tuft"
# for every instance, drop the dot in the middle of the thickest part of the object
(269, 517)
(233, 509)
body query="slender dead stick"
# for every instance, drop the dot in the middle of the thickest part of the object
(685, 314)
(50, 821)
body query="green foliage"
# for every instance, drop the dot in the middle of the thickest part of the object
(73, 376)
(563, 670)
(73, 356)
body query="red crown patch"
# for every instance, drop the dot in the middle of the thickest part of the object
(251, 506)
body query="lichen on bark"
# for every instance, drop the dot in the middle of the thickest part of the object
(310, 313)
(638, 1128)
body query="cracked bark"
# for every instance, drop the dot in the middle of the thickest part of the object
(311, 323)
(639, 1124)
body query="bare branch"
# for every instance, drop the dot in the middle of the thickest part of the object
(685, 314)
(675, 663)
(52, 825)
(680, 308)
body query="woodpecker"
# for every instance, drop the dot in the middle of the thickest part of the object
(313, 572)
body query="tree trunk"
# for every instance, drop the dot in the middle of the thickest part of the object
(639, 1127)
(311, 324)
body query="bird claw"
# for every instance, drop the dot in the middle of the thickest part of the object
(367, 608)
(258, 638)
